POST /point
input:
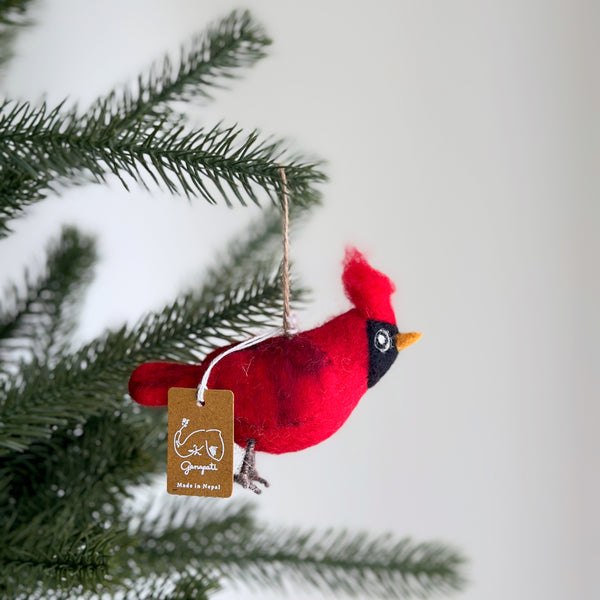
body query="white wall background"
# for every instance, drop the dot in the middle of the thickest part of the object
(462, 140)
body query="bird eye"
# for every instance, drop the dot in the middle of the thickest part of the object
(382, 340)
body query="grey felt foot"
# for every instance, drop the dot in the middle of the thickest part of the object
(248, 474)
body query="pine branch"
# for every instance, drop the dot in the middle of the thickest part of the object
(350, 564)
(336, 562)
(17, 191)
(41, 319)
(62, 500)
(105, 551)
(56, 563)
(226, 47)
(11, 10)
(135, 136)
(68, 480)
(12, 17)
(215, 520)
(42, 144)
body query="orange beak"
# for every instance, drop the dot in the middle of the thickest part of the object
(404, 340)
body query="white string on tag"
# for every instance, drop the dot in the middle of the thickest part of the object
(261, 337)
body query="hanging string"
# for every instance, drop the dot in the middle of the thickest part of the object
(285, 277)
(288, 321)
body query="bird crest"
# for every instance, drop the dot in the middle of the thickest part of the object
(368, 289)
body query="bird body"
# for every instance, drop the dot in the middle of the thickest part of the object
(294, 391)
(290, 392)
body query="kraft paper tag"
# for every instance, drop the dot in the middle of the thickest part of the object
(200, 444)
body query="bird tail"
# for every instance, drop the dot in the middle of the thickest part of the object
(149, 384)
(368, 289)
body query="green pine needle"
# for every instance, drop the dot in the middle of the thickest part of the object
(135, 136)
(40, 319)
(11, 10)
(63, 561)
(234, 43)
(191, 545)
(38, 144)
(17, 191)
(187, 536)
(67, 478)
(12, 18)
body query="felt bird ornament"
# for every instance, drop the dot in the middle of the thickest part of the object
(294, 391)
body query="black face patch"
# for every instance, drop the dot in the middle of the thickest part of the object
(381, 337)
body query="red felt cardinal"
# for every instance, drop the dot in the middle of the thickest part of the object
(292, 392)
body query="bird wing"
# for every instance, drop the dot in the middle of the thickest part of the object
(272, 381)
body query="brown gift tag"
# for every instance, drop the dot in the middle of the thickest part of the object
(200, 443)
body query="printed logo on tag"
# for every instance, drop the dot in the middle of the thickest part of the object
(200, 444)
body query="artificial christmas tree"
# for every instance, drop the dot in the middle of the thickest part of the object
(73, 446)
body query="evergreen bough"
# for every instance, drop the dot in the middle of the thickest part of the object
(73, 446)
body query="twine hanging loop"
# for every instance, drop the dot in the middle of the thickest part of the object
(288, 320)
(285, 275)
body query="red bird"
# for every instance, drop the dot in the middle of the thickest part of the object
(294, 391)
